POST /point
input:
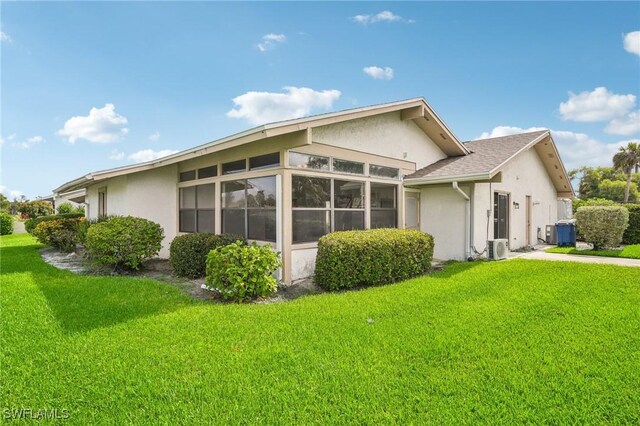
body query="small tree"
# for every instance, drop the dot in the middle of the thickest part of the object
(602, 226)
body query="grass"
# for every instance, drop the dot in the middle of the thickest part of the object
(629, 252)
(517, 341)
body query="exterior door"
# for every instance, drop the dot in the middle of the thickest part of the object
(500, 216)
(528, 219)
(412, 210)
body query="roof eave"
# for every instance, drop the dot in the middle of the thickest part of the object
(448, 179)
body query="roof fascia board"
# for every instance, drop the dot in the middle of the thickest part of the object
(459, 178)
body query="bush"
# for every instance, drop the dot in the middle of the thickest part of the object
(632, 233)
(6, 223)
(351, 259)
(31, 209)
(124, 242)
(84, 226)
(60, 233)
(30, 224)
(65, 208)
(188, 253)
(241, 272)
(602, 226)
(577, 203)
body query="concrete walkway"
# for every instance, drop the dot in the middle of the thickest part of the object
(542, 255)
(18, 227)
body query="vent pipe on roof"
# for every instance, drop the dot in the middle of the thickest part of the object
(467, 220)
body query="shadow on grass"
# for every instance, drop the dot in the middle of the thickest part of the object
(452, 267)
(81, 303)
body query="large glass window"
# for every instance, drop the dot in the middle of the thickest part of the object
(384, 205)
(197, 208)
(249, 208)
(348, 205)
(306, 161)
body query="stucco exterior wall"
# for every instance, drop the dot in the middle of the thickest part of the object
(150, 194)
(303, 263)
(524, 175)
(385, 135)
(442, 214)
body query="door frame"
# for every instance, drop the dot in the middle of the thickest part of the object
(527, 219)
(415, 193)
(507, 212)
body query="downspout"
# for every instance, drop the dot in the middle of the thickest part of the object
(467, 219)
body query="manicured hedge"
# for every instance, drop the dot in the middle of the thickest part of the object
(240, 272)
(602, 226)
(6, 223)
(30, 224)
(632, 233)
(124, 242)
(188, 253)
(351, 259)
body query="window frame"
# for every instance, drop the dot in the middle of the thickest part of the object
(246, 207)
(195, 209)
(377, 209)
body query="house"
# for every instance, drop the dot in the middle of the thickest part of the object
(390, 165)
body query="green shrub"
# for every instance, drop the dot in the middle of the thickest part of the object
(351, 259)
(123, 242)
(65, 208)
(602, 226)
(188, 253)
(37, 208)
(60, 233)
(30, 224)
(84, 226)
(242, 272)
(79, 209)
(6, 223)
(632, 233)
(578, 202)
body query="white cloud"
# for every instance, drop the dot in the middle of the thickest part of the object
(5, 37)
(632, 42)
(10, 194)
(384, 16)
(116, 155)
(269, 41)
(576, 149)
(627, 125)
(264, 107)
(102, 125)
(154, 137)
(378, 73)
(149, 154)
(34, 140)
(598, 105)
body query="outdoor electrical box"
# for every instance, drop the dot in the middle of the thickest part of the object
(551, 235)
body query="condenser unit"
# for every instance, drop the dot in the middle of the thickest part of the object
(498, 249)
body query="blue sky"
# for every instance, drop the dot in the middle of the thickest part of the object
(90, 86)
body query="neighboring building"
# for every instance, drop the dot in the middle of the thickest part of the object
(390, 165)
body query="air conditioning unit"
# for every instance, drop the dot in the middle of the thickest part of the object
(498, 249)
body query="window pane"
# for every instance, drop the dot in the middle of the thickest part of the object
(383, 196)
(233, 221)
(262, 224)
(310, 192)
(264, 161)
(346, 220)
(348, 195)
(344, 166)
(206, 196)
(208, 172)
(206, 220)
(305, 161)
(310, 225)
(187, 221)
(234, 167)
(185, 176)
(188, 198)
(381, 171)
(261, 192)
(233, 195)
(383, 219)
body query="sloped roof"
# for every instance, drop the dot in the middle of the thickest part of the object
(486, 155)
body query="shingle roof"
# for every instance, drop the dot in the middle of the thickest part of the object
(486, 155)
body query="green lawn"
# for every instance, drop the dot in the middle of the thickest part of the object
(517, 341)
(630, 251)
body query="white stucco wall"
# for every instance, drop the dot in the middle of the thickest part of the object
(442, 214)
(386, 135)
(303, 263)
(150, 194)
(524, 175)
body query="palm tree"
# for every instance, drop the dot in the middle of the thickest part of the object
(626, 159)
